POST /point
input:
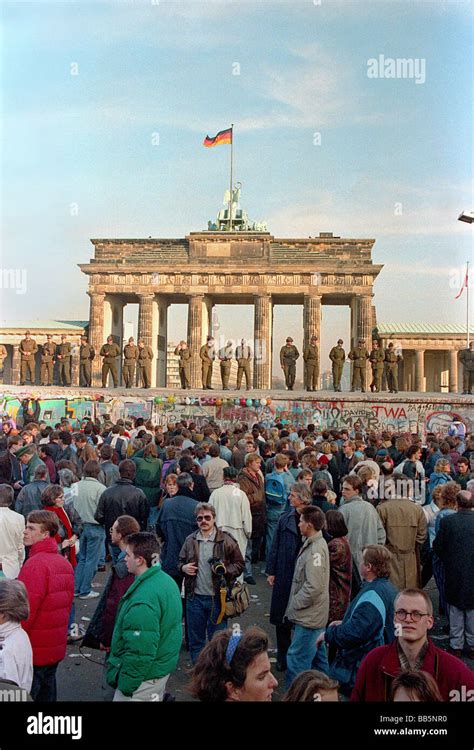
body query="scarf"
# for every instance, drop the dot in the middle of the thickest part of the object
(69, 552)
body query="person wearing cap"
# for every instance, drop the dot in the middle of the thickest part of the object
(29, 459)
(109, 351)
(145, 357)
(391, 368)
(466, 357)
(377, 360)
(130, 356)
(207, 354)
(311, 360)
(288, 356)
(86, 355)
(28, 348)
(48, 350)
(3, 356)
(243, 355)
(226, 355)
(359, 356)
(63, 355)
(337, 356)
(184, 353)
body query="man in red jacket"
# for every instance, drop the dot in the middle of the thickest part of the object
(49, 581)
(412, 649)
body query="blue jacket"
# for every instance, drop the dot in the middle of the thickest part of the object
(362, 624)
(281, 563)
(436, 478)
(175, 522)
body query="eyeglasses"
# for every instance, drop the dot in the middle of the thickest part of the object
(203, 518)
(401, 614)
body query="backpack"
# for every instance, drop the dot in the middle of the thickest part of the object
(275, 489)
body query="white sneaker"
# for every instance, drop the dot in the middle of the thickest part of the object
(90, 595)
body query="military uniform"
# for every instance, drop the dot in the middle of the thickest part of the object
(48, 351)
(145, 356)
(63, 353)
(359, 356)
(28, 349)
(243, 354)
(185, 357)
(207, 356)
(109, 352)
(377, 361)
(86, 355)
(226, 356)
(288, 356)
(391, 369)
(3, 356)
(337, 356)
(130, 356)
(311, 370)
(467, 358)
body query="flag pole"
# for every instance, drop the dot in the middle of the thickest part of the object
(231, 168)
(467, 302)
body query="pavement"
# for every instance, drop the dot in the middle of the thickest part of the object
(80, 674)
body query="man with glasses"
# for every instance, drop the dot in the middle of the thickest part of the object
(210, 560)
(412, 649)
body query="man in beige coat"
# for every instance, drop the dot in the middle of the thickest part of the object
(405, 526)
(308, 605)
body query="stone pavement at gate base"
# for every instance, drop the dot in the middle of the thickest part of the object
(80, 679)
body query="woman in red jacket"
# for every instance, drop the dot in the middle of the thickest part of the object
(49, 581)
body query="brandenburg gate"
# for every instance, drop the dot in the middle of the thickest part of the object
(227, 267)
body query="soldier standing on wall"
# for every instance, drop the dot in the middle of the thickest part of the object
(184, 353)
(109, 352)
(337, 356)
(288, 356)
(28, 348)
(145, 356)
(467, 358)
(377, 359)
(86, 355)
(311, 359)
(207, 354)
(359, 355)
(130, 356)
(48, 350)
(391, 368)
(226, 355)
(243, 354)
(63, 356)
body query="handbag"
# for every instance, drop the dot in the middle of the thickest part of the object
(238, 599)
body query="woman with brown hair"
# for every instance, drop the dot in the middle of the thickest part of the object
(416, 686)
(340, 560)
(312, 686)
(70, 522)
(234, 666)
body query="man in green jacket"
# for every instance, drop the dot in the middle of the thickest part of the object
(28, 457)
(147, 634)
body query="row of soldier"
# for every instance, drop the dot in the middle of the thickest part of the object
(137, 363)
(137, 359)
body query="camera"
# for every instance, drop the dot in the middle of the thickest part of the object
(217, 566)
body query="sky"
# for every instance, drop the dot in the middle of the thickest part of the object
(104, 107)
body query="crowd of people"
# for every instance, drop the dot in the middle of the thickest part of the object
(349, 526)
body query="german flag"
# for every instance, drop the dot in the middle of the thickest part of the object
(223, 136)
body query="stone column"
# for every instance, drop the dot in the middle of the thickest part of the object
(145, 318)
(96, 333)
(15, 371)
(453, 371)
(262, 373)
(195, 316)
(160, 325)
(420, 371)
(75, 347)
(312, 324)
(364, 320)
(113, 325)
